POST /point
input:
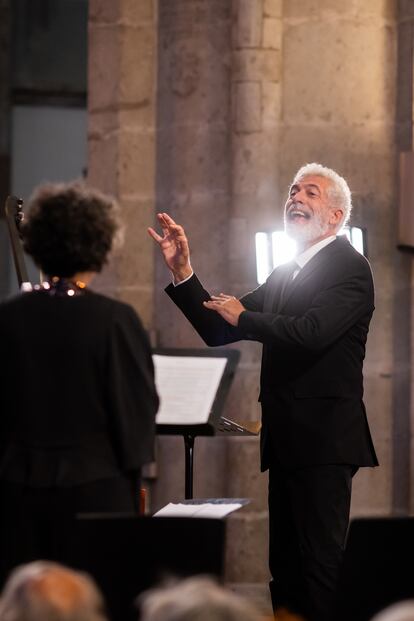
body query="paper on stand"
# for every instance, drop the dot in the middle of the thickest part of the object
(204, 510)
(187, 386)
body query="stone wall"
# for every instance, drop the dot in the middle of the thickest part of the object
(121, 136)
(339, 77)
(248, 91)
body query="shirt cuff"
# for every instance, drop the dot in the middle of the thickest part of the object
(177, 284)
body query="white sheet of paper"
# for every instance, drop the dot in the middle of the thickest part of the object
(205, 510)
(187, 386)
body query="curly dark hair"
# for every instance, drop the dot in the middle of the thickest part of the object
(69, 228)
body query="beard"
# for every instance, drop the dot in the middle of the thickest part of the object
(306, 232)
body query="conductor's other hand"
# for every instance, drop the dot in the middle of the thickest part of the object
(174, 247)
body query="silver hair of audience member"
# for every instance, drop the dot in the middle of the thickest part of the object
(402, 611)
(194, 599)
(45, 591)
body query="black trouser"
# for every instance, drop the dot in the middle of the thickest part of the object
(38, 523)
(308, 521)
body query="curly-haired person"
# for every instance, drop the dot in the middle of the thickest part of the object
(77, 392)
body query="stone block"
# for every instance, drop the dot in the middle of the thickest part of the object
(102, 124)
(249, 23)
(192, 160)
(247, 547)
(193, 86)
(121, 70)
(272, 33)
(138, 115)
(104, 11)
(256, 65)
(378, 401)
(136, 256)
(255, 163)
(138, 12)
(110, 11)
(141, 298)
(303, 9)
(246, 480)
(256, 593)
(211, 472)
(136, 163)
(248, 106)
(308, 90)
(238, 237)
(169, 486)
(242, 402)
(103, 67)
(272, 8)
(106, 282)
(271, 104)
(103, 163)
(405, 8)
(137, 70)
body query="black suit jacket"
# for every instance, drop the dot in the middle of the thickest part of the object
(77, 392)
(313, 331)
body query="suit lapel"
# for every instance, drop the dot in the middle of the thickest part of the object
(308, 270)
(279, 281)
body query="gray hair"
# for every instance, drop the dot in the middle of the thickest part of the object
(44, 591)
(339, 192)
(194, 599)
(403, 611)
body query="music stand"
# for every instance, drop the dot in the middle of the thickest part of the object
(214, 424)
(127, 555)
(376, 571)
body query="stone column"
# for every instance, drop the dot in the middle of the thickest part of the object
(121, 136)
(339, 109)
(256, 206)
(193, 186)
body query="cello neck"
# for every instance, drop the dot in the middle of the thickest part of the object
(14, 216)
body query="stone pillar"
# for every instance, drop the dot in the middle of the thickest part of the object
(193, 186)
(256, 205)
(121, 136)
(339, 108)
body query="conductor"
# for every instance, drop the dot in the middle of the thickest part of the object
(312, 317)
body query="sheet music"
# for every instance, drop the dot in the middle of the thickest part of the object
(187, 386)
(205, 510)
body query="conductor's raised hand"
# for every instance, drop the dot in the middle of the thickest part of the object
(174, 247)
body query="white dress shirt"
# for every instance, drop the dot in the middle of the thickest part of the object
(305, 256)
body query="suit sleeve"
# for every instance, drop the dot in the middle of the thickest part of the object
(212, 328)
(132, 393)
(334, 310)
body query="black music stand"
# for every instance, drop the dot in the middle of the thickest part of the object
(127, 555)
(216, 424)
(377, 566)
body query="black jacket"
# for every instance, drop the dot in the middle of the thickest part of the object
(77, 392)
(313, 331)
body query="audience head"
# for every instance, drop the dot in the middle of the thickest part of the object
(194, 599)
(69, 228)
(402, 611)
(45, 591)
